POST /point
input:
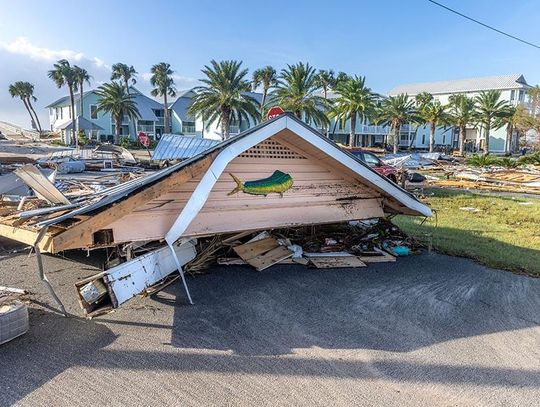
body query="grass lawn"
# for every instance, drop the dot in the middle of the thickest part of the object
(503, 233)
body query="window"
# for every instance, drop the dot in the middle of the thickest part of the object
(444, 138)
(512, 94)
(371, 160)
(521, 96)
(93, 112)
(423, 139)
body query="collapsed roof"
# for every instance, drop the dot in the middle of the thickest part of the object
(191, 198)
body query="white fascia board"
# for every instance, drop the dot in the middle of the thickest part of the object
(202, 191)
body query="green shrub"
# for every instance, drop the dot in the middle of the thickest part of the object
(125, 142)
(530, 159)
(508, 162)
(482, 160)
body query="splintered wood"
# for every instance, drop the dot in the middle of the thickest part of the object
(262, 253)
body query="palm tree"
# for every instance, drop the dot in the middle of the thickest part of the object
(25, 92)
(127, 74)
(489, 108)
(81, 76)
(340, 77)
(422, 99)
(223, 98)
(63, 74)
(326, 81)
(434, 114)
(114, 99)
(353, 99)
(296, 92)
(267, 78)
(461, 113)
(395, 111)
(163, 84)
(534, 96)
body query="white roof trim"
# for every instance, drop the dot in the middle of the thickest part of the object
(200, 195)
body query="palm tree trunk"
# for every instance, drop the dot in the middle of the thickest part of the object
(166, 113)
(225, 123)
(508, 144)
(396, 137)
(133, 126)
(118, 121)
(486, 141)
(263, 102)
(36, 118)
(462, 132)
(298, 114)
(81, 113)
(73, 119)
(32, 120)
(432, 137)
(352, 132)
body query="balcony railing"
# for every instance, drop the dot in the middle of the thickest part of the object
(147, 128)
(188, 129)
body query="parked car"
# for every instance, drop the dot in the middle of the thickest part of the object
(374, 162)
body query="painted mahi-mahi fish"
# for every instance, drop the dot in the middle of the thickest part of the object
(278, 182)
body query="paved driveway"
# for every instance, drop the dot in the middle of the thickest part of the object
(427, 330)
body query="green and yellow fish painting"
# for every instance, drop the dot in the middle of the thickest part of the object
(278, 182)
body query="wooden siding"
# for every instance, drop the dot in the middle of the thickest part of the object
(320, 194)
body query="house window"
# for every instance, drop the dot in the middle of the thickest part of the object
(512, 94)
(423, 139)
(188, 127)
(521, 96)
(93, 112)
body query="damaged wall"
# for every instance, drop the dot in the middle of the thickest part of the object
(319, 194)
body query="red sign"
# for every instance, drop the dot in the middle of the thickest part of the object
(274, 112)
(144, 139)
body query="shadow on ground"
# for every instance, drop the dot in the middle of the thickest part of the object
(413, 303)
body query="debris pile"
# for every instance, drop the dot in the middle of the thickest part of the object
(351, 244)
(493, 179)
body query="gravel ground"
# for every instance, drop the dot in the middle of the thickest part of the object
(427, 330)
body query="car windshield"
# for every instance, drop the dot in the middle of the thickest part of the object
(371, 160)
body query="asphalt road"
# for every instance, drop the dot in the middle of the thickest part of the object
(427, 330)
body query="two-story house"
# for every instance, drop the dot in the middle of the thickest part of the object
(99, 125)
(513, 90)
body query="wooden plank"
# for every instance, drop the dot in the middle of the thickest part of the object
(325, 262)
(251, 250)
(80, 235)
(380, 257)
(26, 236)
(266, 260)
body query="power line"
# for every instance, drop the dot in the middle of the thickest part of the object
(484, 25)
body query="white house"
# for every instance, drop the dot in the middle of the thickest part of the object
(513, 90)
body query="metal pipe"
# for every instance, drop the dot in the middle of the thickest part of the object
(41, 272)
(177, 261)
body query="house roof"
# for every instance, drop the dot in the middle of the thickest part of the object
(181, 107)
(262, 131)
(84, 124)
(514, 81)
(174, 146)
(145, 104)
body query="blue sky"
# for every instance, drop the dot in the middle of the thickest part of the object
(389, 41)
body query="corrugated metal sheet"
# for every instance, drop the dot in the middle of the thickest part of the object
(174, 146)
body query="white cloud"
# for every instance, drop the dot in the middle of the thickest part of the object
(23, 46)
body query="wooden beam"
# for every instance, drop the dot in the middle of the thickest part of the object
(26, 236)
(80, 234)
